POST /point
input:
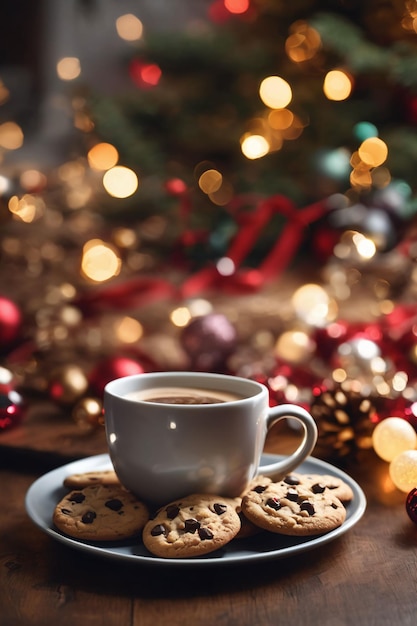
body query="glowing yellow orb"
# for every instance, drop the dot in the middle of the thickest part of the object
(120, 182)
(254, 146)
(68, 68)
(392, 436)
(373, 151)
(403, 470)
(337, 85)
(129, 27)
(99, 261)
(275, 92)
(102, 156)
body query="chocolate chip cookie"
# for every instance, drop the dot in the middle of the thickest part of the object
(247, 528)
(322, 483)
(293, 510)
(85, 479)
(192, 526)
(100, 513)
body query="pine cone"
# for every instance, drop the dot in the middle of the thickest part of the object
(345, 420)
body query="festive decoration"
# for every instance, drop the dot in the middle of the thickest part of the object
(111, 368)
(411, 505)
(10, 321)
(209, 340)
(11, 402)
(403, 470)
(88, 413)
(393, 436)
(345, 421)
(67, 383)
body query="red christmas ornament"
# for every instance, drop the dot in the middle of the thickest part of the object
(10, 321)
(112, 368)
(209, 340)
(411, 505)
(11, 402)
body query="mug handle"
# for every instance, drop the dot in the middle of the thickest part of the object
(281, 468)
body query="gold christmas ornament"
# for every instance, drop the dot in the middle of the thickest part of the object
(88, 413)
(67, 384)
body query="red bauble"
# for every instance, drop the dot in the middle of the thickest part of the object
(411, 505)
(10, 321)
(209, 340)
(11, 409)
(112, 368)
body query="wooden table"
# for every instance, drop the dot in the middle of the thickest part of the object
(368, 576)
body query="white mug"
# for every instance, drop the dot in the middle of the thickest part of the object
(171, 445)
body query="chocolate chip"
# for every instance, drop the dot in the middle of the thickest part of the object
(172, 511)
(273, 503)
(205, 533)
(307, 506)
(219, 508)
(291, 479)
(318, 488)
(77, 497)
(292, 494)
(115, 504)
(191, 525)
(66, 511)
(157, 530)
(88, 517)
(259, 488)
(334, 505)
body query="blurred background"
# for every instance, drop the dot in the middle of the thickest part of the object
(222, 185)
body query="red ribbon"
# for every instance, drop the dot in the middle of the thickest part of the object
(251, 224)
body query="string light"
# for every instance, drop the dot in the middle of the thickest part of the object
(102, 156)
(99, 261)
(254, 146)
(236, 7)
(275, 92)
(373, 151)
(337, 85)
(129, 27)
(303, 42)
(68, 68)
(120, 182)
(11, 136)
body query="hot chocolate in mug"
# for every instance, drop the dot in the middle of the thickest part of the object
(171, 434)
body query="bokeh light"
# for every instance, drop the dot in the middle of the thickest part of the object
(99, 261)
(128, 330)
(311, 304)
(120, 182)
(303, 42)
(129, 27)
(337, 85)
(254, 146)
(373, 151)
(68, 68)
(236, 7)
(210, 181)
(102, 156)
(180, 316)
(11, 136)
(275, 92)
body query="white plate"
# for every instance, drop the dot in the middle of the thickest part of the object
(46, 491)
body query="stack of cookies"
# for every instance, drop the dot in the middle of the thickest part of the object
(98, 508)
